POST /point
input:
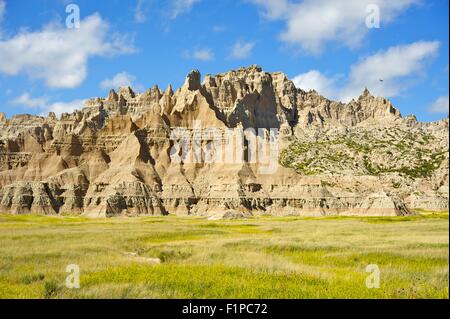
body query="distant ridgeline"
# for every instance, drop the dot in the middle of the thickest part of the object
(241, 143)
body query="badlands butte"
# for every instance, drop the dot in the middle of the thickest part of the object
(115, 155)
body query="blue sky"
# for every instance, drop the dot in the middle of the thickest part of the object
(326, 45)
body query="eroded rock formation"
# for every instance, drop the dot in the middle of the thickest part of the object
(119, 155)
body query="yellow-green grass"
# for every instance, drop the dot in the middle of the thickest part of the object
(263, 257)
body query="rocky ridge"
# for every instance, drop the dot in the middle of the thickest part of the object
(116, 155)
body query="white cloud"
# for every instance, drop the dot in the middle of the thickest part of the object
(140, 11)
(118, 80)
(59, 55)
(274, 9)
(181, 6)
(44, 105)
(314, 80)
(204, 54)
(311, 24)
(63, 107)
(386, 73)
(441, 105)
(242, 50)
(26, 100)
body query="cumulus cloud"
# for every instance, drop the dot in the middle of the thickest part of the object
(58, 55)
(43, 104)
(63, 107)
(386, 73)
(26, 100)
(118, 80)
(441, 105)
(315, 80)
(203, 54)
(311, 24)
(242, 50)
(179, 7)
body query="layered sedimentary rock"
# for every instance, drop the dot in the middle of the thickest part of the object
(236, 144)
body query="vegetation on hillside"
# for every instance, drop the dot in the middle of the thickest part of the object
(367, 152)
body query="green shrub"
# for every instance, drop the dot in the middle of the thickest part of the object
(50, 288)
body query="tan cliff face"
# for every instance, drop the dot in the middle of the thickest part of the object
(120, 155)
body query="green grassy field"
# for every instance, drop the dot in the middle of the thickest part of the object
(264, 257)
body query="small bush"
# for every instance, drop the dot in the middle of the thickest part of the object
(168, 255)
(50, 289)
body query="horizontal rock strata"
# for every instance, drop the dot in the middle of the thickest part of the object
(124, 154)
